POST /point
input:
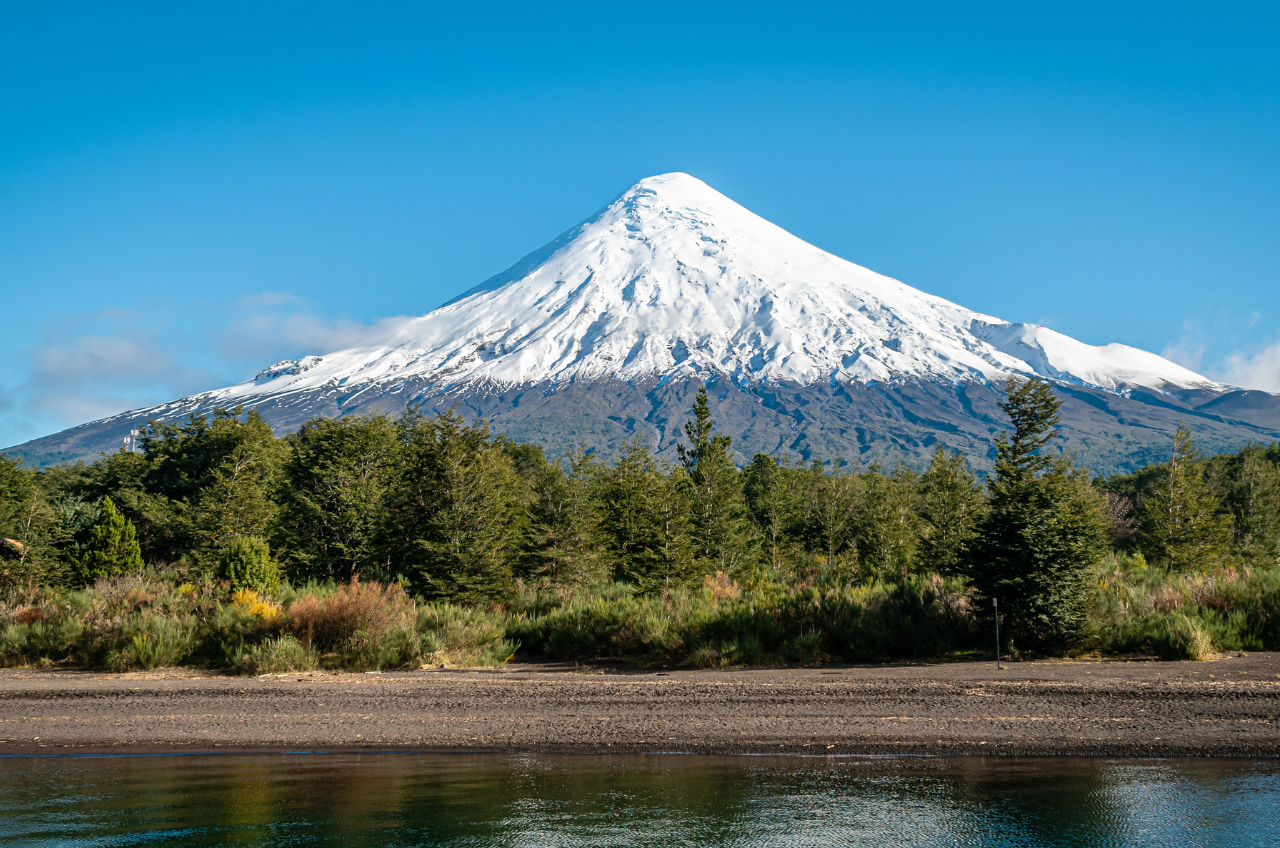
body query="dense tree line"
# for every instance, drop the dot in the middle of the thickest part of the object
(1198, 513)
(454, 511)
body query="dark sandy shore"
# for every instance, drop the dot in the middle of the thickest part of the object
(1229, 707)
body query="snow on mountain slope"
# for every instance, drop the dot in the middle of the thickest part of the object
(674, 278)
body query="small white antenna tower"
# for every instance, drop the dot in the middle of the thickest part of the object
(131, 442)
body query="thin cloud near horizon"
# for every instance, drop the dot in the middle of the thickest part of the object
(91, 366)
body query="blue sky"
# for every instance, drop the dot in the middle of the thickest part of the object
(190, 192)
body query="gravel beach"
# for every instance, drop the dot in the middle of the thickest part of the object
(1227, 707)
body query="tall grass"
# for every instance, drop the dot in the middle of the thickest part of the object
(773, 624)
(1140, 609)
(145, 621)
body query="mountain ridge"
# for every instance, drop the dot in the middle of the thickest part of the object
(673, 277)
(672, 282)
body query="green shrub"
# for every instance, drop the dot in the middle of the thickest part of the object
(774, 624)
(247, 564)
(232, 629)
(13, 643)
(452, 634)
(112, 549)
(148, 641)
(1185, 638)
(1141, 609)
(143, 620)
(39, 640)
(280, 654)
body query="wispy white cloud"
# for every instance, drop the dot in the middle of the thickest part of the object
(275, 325)
(93, 365)
(1258, 369)
(1251, 366)
(1188, 349)
(97, 364)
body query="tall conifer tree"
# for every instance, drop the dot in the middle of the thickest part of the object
(952, 504)
(776, 504)
(564, 521)
(645, 519)
(457, 510)
(236, 500)
(718, 512)
(1044, 530)
(835, 507)
(889, 521)
(1256, 503)
(1184, 527)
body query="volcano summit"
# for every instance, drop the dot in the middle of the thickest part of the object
(607, 332)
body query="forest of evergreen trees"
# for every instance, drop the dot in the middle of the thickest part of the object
(449, 513)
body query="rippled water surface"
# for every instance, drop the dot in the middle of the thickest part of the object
(666, 800)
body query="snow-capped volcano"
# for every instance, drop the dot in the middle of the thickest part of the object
(605, 333)
(674, 278)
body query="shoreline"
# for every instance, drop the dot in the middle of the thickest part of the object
(961, 751)
(1093, 708)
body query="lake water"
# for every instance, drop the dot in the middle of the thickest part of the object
(662, 800)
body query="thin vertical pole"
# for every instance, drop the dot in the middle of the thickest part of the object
(996, 605)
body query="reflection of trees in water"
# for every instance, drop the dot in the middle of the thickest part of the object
(534, 801)
(1034, 801)
(640, 800)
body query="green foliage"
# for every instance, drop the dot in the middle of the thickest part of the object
(952, 505)
(121, 476)
(458, 635)
(150, 641)
(1137, 608)
(705, 564)
(1183, 527)
(1187, 639)
(889, 528)
(1196, 514)
(17, 489)
(644, 520)
(337, 481)
(1255, 505)
(1044, 530)
(834, 503)
(775, 624)
(144, 621)
(112, 547)
(777, 505)
(564, 518)
(246, 564)
(198, 483)
(457, 513)
(277, 654)
(718, 527)
(31, 523)
(236, 501)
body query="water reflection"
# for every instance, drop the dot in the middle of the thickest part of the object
(532, 801)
